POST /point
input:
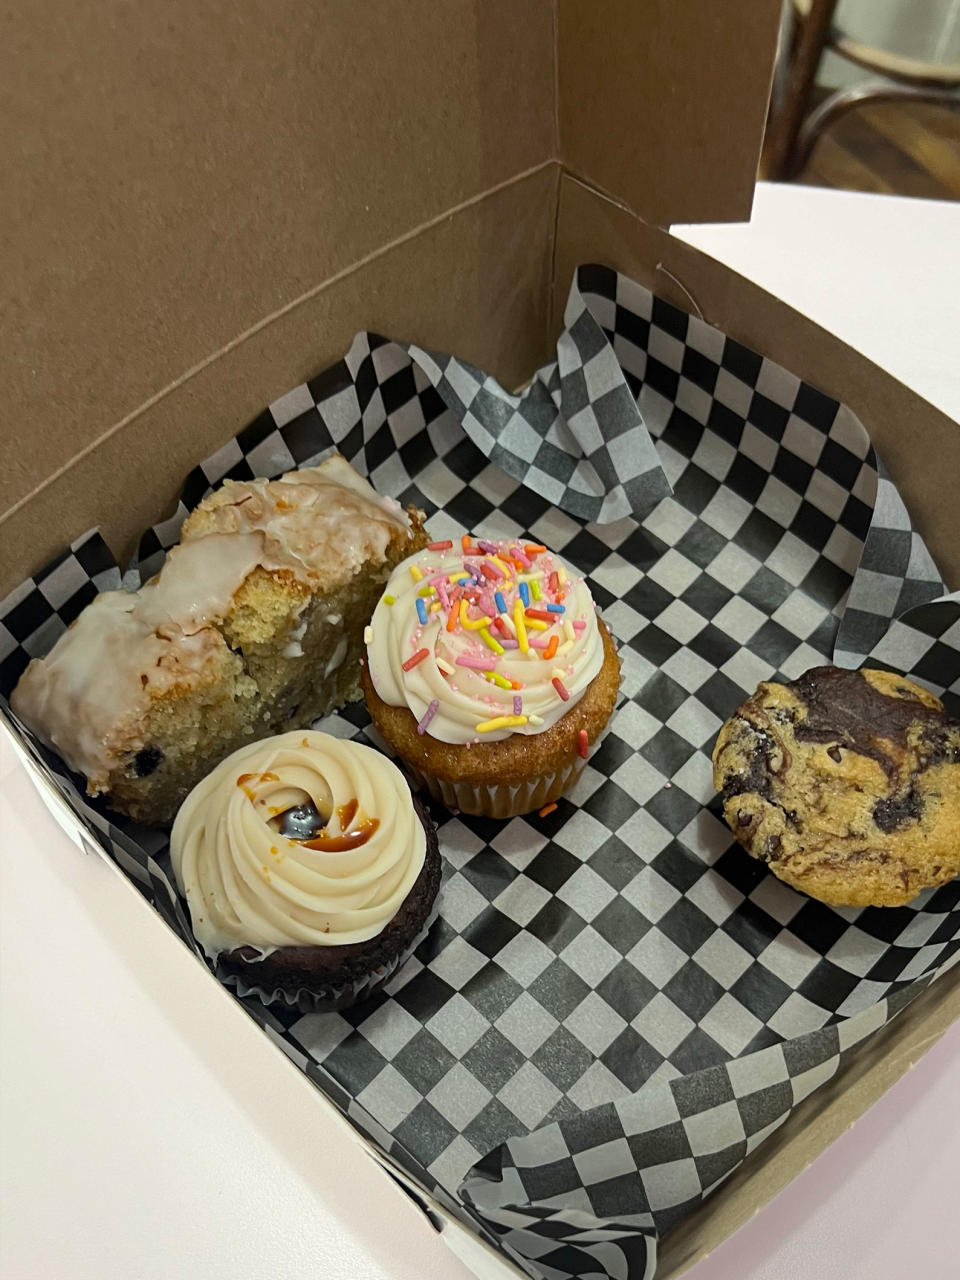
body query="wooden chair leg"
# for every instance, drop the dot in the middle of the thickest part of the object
(844, 100)
(810, 37)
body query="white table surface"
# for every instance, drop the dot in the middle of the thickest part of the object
(149, 1130)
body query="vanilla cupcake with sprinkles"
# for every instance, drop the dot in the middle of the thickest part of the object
(488, 672)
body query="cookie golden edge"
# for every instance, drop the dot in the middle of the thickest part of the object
(817, 833)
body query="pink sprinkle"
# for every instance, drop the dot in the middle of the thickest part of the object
(579, 625)
(442, 593)
(428, 715)
(478, 664)
(524, 560)
(517, 705)
(537, 642)
(507, 642)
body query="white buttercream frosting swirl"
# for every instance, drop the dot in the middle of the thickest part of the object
(246, 884)
(528, 671)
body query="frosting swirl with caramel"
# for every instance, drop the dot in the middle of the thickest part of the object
(484, 641)
(247, 881)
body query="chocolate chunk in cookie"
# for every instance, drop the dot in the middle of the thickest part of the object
(847, 783)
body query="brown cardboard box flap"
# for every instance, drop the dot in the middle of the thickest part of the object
(591, 227)
(663, 104)
(177, 179)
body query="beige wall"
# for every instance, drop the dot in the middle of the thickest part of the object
(925, 29)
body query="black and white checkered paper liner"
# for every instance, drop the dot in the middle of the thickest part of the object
(617, 1004)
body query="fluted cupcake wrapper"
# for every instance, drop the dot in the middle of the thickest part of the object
(500, 800)
(330, 998)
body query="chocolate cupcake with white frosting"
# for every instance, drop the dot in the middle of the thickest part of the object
(489, 674)
(309, 869)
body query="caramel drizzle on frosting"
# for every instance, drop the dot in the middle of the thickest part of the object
(248, 885)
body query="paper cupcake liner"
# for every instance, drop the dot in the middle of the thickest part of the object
(500, 800)
(330, 999)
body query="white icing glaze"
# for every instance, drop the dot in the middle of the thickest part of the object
(245, 884)
(466, 698)
(87, 697)
(321, 523)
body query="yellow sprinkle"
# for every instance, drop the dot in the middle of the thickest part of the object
(508, 623)
(368, 635)
(426, 591)
(521, 626)
(568, 631)
(459, 576)
(415, 573)
(535, 589)
(500, 722)
(558, 673)
(503, 565)
(561, 575)
(489, 641)
(534, 718)
(530, 577)
(435, 606)
(445, 666)
(565, 648)
(477, 623)
(389, 599)
(535, 624)
(534, 654)
(495, 678)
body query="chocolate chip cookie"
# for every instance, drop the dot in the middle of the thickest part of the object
(846, 783)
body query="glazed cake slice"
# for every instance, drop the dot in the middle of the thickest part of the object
(253, 625)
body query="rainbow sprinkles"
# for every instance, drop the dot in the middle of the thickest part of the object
(484, 640)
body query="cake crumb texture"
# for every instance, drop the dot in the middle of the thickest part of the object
(254, 625)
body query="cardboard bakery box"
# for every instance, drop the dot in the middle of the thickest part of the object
(206, 203)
